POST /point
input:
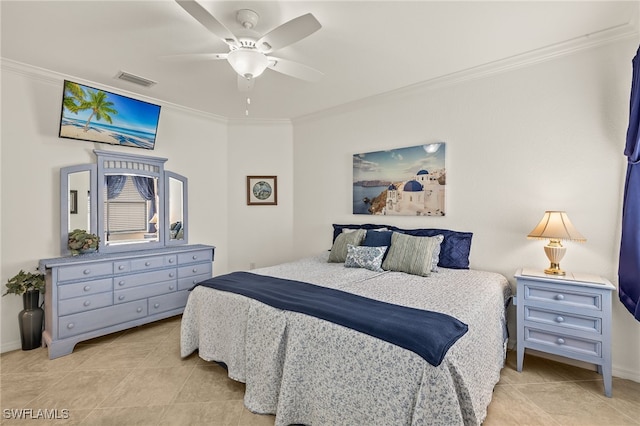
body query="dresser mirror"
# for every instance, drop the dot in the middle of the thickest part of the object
(128, 200)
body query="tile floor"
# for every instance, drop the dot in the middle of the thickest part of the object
(136, 377)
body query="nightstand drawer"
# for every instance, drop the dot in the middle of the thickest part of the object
(559, 343)
(563, 296)
(563, 319)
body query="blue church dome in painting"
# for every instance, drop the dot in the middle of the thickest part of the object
(422, 172)
(413, 186)
(392, 187)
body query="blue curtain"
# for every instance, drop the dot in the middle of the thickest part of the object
(147, 190)
(115, 183)
(629, 269)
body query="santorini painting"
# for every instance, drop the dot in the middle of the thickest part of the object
(404, 181)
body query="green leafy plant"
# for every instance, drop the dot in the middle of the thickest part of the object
(81, 240)
(25, 281)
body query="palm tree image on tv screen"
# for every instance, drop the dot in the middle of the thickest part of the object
(96, 115)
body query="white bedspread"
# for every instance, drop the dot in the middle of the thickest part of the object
(310, 371)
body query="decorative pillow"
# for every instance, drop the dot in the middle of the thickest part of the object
(339, 250)
(454, 250)
(365, 257)
(377, 238)
(435, 258)
(413, 255)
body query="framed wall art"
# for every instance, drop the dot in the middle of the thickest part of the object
(262, 190)
(96, 115)
(407, 181)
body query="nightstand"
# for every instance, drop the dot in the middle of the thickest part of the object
(568, 316)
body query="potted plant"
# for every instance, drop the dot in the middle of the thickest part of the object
(81, 241)
(28, 285)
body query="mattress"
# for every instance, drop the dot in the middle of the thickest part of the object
(307, 370)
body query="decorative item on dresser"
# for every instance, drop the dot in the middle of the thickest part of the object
(143, 269)
(92, 295)
(567, 315)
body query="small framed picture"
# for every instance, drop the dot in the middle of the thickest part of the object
(73, 201)
(262, 190)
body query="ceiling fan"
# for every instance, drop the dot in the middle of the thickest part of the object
(249, 52)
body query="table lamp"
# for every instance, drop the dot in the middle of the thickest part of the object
(556, 226)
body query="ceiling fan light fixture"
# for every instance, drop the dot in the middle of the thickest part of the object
(247, 62)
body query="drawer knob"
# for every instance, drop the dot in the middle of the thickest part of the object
(147, 263)
(121, 283)
(559, 319)
(171, 287)
(156, 305)
(121, 267)
(86, 271)
(560, 341)
(121, 297)
(70, 325)
(139, 310)
(87, 303)
(194, 270)
(171, 260)
(559, 296)
(87, 287)
(195, 281)
(194, 257)
(171, 274)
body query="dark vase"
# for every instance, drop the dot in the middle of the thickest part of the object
(30, 321)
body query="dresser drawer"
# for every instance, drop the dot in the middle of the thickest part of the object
(69, 273)
(189, 282)
(563, 319)
(133, 280)
(562, 342)
(75, 324)
(67, 291)
(168, 302)
(85, 303)
(563, 297)
(141, 292)
(195, 269)
(195, 256)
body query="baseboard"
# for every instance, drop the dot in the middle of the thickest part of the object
(11, 346)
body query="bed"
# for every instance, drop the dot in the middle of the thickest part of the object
(307, 370)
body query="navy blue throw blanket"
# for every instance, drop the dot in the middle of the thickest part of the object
(428, 334)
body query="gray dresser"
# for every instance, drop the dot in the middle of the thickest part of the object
(91, 295)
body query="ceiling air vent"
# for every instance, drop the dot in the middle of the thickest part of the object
(135, 79)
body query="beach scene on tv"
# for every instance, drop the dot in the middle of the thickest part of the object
(98, 116)
(407, 181)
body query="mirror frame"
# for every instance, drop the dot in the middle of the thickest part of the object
(108, 163)
(65, 172)
(167, 203)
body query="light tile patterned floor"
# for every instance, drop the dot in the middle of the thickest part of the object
(137, 377)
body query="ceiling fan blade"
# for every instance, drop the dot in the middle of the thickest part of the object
(195, 57)
(203, 16)
(294, 69)
(288, 33)
(245, 84)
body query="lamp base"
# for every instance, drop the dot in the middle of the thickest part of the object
(555, 252)
(554, 270)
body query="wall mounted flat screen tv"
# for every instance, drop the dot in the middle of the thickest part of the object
(96, 115)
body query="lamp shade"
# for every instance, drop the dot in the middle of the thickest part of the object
(555, 225)
(248, 63)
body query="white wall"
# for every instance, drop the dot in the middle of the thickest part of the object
(544, 137)
(32, 154)
(260, 235)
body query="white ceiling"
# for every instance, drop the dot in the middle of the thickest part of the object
(364, 48)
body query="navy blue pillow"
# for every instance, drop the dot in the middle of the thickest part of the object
(454, 250)
(377, 238)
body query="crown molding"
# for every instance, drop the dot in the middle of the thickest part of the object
(612, 34)
(56, 78)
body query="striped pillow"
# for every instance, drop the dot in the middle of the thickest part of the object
(410, 254)
(339, 250)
